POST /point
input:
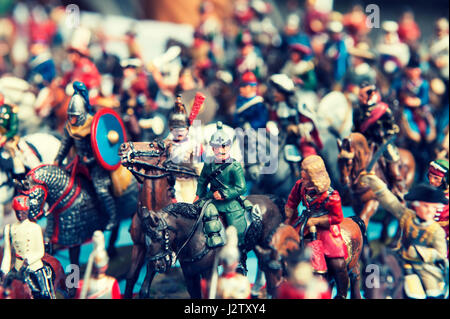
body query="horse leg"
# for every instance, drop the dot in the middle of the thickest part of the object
(112, 251)
(144, 293)
(193, 285)
(355, 281)
(74, 255)
(137, 261)
(370, 207)
(338, 269)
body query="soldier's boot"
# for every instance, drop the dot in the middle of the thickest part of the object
(41, 283)
(213, 227)
(242, 266)
(238, 220)
(340, 274)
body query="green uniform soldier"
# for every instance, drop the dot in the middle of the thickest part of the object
(423, 243)
(226, 181)
(9, 126)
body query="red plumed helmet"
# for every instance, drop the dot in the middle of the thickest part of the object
(249, 77)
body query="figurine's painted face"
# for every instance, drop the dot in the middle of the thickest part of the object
(296, 56)
(247, 90)
(426, 211)
(278, 96)
(222, 153)
(307, 180)
(435, 180)
(74, 57)
(413, 73)
(129, 72)
(179, 133)
(186, 81)
(247, 49)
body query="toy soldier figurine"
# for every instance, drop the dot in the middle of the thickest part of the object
(9, 138)
(322, 210)
(184, 150)
(301, 282)
(28, 243)
(77, 133)
(250, 106)
(294, 119)
(438, 177)
(423, 243)
(230, 284)
(96, 284)
(299, 68)
(227, 184)
(376, 121)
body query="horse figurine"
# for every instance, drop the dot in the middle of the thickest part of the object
(14, 286)
(354, 234)
(354, 156)
(74, 211)
(174, 232)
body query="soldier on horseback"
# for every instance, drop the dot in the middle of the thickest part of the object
(423, 246)
(227, 188)
(376, 121)
(28, 244)
(324, 211)
(77, 133)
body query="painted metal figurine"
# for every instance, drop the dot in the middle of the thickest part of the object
(27, 241)
(323, 207)
(77, 133)
(227, 186)
(423, 246)
(96, 284)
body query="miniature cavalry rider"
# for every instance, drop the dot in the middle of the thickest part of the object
(295, 120)
(250, 106)
(184, 150)
(376, 121)
(324, 211)
(423, 243)
(438, 177)
(28, 244)
(227, 187)
(100, 285)
(77, 133)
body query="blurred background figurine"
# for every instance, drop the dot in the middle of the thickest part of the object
(27, 242)
(302, 282)
(423, 245)
(230, 284)
(96, 283)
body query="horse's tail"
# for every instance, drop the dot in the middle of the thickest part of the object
(280, 202)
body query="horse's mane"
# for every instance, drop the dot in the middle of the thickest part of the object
(186, 210)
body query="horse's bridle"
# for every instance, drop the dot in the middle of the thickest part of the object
(167, 254)
(168, 167)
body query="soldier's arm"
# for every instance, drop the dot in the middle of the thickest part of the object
(387, 200)
(202, 183)
(239, 187)
(292, 203)
(66, 144)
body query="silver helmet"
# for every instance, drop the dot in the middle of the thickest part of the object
(77, 109)
(220, 138)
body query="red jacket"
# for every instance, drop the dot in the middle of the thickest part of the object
(84, 71)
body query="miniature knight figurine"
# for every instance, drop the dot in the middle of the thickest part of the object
(324, 211)
(28, 244)
(96, 284)
(423, 243)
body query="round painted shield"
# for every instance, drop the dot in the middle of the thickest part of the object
(107, 134)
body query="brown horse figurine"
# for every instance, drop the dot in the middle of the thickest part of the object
(145, 161)
(16, 288)
(164, 233)
(353, 232)
(354, 156)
